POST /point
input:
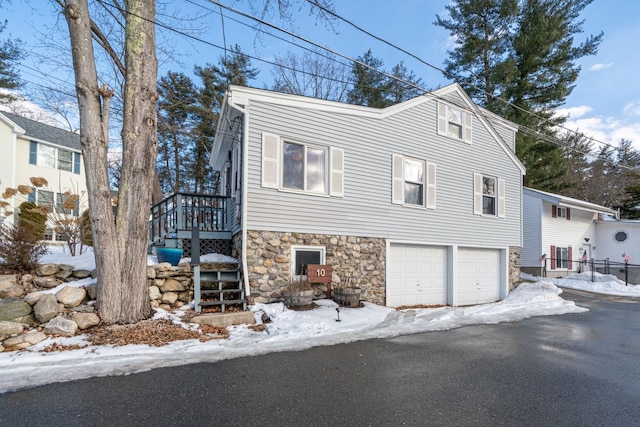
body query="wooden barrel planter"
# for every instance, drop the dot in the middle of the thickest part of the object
(298, 299)
(347, 297)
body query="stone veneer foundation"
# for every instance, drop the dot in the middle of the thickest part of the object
(359, 258)
(354, 259)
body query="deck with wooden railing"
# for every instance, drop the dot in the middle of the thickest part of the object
(175, 217)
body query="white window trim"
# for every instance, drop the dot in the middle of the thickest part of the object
(295, 248)
(559, 259)
(272, 166)
(561, 212)
(478, 196)
(443, 122)
(398, 181)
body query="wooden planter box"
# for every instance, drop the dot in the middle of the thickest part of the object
(347, 297)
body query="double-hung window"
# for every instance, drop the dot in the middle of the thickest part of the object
(414, 182)
(302, 167)
(489, 195)
(561, 257)
(454, 122)
(52, 157)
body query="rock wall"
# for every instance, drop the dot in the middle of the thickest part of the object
(514, 266)
(29, 312)
(357, 260)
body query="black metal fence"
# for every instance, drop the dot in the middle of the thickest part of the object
(630, 273)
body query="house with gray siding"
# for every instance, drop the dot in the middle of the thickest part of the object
(560, 233)
(419, 203)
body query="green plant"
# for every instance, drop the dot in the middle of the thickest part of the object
(20, 247)
(34, 217)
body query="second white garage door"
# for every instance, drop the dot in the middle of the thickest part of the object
(418, 275)
(479, 275)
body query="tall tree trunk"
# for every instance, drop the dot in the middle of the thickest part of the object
(94, 149)
(140, 148)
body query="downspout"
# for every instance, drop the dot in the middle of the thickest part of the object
(243, 201)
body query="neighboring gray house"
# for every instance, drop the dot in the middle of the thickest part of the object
(560, 233)
(418, 203)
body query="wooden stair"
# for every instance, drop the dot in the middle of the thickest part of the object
(218, 288)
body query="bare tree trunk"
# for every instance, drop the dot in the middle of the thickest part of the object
(140, 148)
(94, 149)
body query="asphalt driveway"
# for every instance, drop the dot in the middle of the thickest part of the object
(575, 369)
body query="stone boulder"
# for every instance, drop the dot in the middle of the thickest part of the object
(7, 281)
(24, 341)
(61, 326)
(169, 297)
(46, 308)
(171, 285)
(81, 274)
(28, 321)
(154, 293)
(47, 282)
(92, 292)
(71, 296)
(33, 297)
(12, 308)
(85, 320)
(12, 292)
(63, 274)
(47, 270)
(9, 328)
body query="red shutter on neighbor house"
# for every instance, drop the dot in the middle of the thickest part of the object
(569, 251)
(569, 217)
(554, 211)
(553, 255)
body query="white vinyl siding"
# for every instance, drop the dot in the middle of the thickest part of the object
(454, 122)
(369, 146)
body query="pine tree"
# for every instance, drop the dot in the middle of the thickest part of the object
(10, 54)
(177, 97)
(523, 53)
(234, 69)
(368, 82)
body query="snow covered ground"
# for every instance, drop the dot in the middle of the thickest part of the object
(288, 331)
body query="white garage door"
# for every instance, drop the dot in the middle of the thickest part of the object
(418, 275)
(478, 276)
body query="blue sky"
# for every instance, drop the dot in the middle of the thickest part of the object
(605, 103)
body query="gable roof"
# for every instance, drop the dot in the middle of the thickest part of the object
(240, 96)
(569, 202)
(41, 132)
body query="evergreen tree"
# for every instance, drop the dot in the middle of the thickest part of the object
(177, 96)
(368, 82)
(524, 53)
(235, 69)
(373, 88)
(10, 54)
(397, 90)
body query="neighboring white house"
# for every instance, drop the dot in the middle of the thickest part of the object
(560, 233)
(33, 149)
(418, 203)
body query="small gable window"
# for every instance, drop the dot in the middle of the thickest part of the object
(560, 212)
(454, 122)
(620, 236)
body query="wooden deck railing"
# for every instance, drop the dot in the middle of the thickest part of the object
(183, 211)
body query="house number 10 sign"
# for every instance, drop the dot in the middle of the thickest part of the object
(319, 273)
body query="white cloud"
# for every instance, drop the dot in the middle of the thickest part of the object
(632, 108)
(600, 67)
(607, 129)
(574, 112)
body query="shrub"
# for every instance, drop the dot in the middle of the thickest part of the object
(86, 236)
(21, 247)
(31, 216)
